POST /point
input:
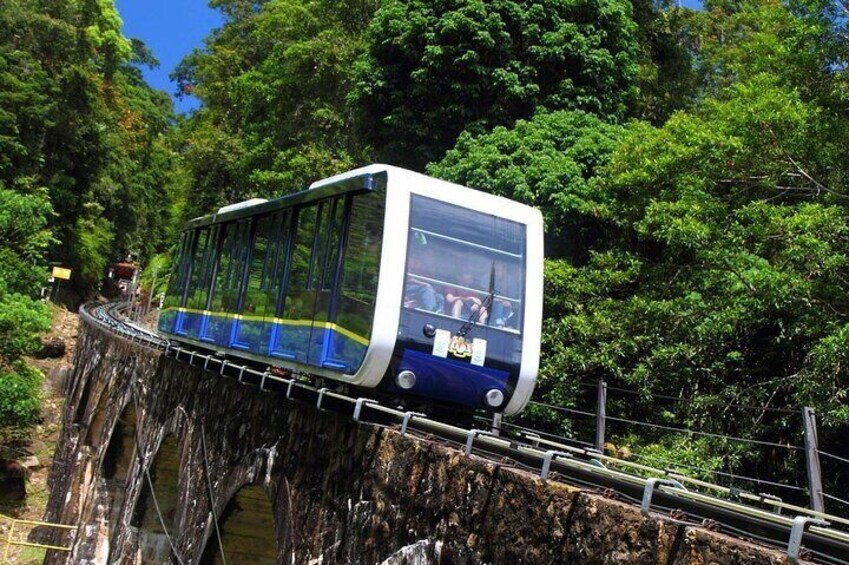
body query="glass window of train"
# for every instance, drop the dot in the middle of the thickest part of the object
(207, 269)
(201, 240)
(297, 303)
(239, 265)
(331, 239)
(174, 295)
(255, 298)
(355, 311)
(222, 270)
(275, 268)
(462, 256)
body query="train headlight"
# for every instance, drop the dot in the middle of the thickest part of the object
(406, 380)
(494, 397)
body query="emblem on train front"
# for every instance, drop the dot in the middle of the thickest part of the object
(459, 347)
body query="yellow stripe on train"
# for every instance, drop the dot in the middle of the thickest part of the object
(282, 321)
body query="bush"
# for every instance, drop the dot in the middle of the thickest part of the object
(20, 396)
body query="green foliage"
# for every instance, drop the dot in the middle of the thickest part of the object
(548, 162)
(24, 237)
(434, 69)
(22, 320)
(20, 394)
(154, 277)
(77, 119)
(274, 82)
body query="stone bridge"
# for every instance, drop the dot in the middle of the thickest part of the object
(152, 450)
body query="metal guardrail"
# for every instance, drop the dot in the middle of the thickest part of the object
(729, 508)
(10, 541)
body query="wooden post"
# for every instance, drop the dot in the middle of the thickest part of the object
(600, 416)
(812, 458)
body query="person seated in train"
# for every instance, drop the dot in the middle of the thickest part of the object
(463, 302)
(506, 286)
(419, 293)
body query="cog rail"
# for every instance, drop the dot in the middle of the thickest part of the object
(802, 533)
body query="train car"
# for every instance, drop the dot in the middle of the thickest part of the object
(379, 278)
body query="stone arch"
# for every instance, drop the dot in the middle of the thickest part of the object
(158, 506)
(117, 461)
(248, 532)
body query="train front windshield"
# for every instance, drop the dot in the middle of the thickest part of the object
(465, 265)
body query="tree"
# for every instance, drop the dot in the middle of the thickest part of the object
(549, 162)
(435, 69)
(273, 81)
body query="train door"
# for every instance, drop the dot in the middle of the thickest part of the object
(222, 312)
(200, 275)
(324, 283)
(266, 273)
(290, 335)
(172, 317)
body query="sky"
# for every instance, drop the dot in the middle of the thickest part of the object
(171, 29)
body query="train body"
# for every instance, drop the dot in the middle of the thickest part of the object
(380, 278)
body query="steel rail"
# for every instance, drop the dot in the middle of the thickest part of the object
(571, 464)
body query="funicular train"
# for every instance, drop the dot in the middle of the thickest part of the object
(379, 278)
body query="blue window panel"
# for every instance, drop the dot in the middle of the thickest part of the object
(342, 353)
(168, 320)
(180, 323)
(205, 333)
(290, 341)
(252, 335)
(192, 324)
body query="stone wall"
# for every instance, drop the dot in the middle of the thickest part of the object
(150, 446)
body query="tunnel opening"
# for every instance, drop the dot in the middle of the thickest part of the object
(155, 513)
(247, 531)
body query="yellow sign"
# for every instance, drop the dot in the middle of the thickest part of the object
(60, 273)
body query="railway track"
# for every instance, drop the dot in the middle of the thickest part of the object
(800, 532)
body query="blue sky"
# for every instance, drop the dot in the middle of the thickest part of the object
(171, 28)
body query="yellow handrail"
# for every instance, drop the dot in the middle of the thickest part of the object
(10, 541)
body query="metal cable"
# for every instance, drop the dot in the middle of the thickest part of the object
(719, 473)
(706, 434)
(833, 456)
(139, 451)
(562, 408)
(546, 434)
(211, 496)
(691, 401)
(835, 499)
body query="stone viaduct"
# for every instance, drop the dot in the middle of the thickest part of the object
(152, 449)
